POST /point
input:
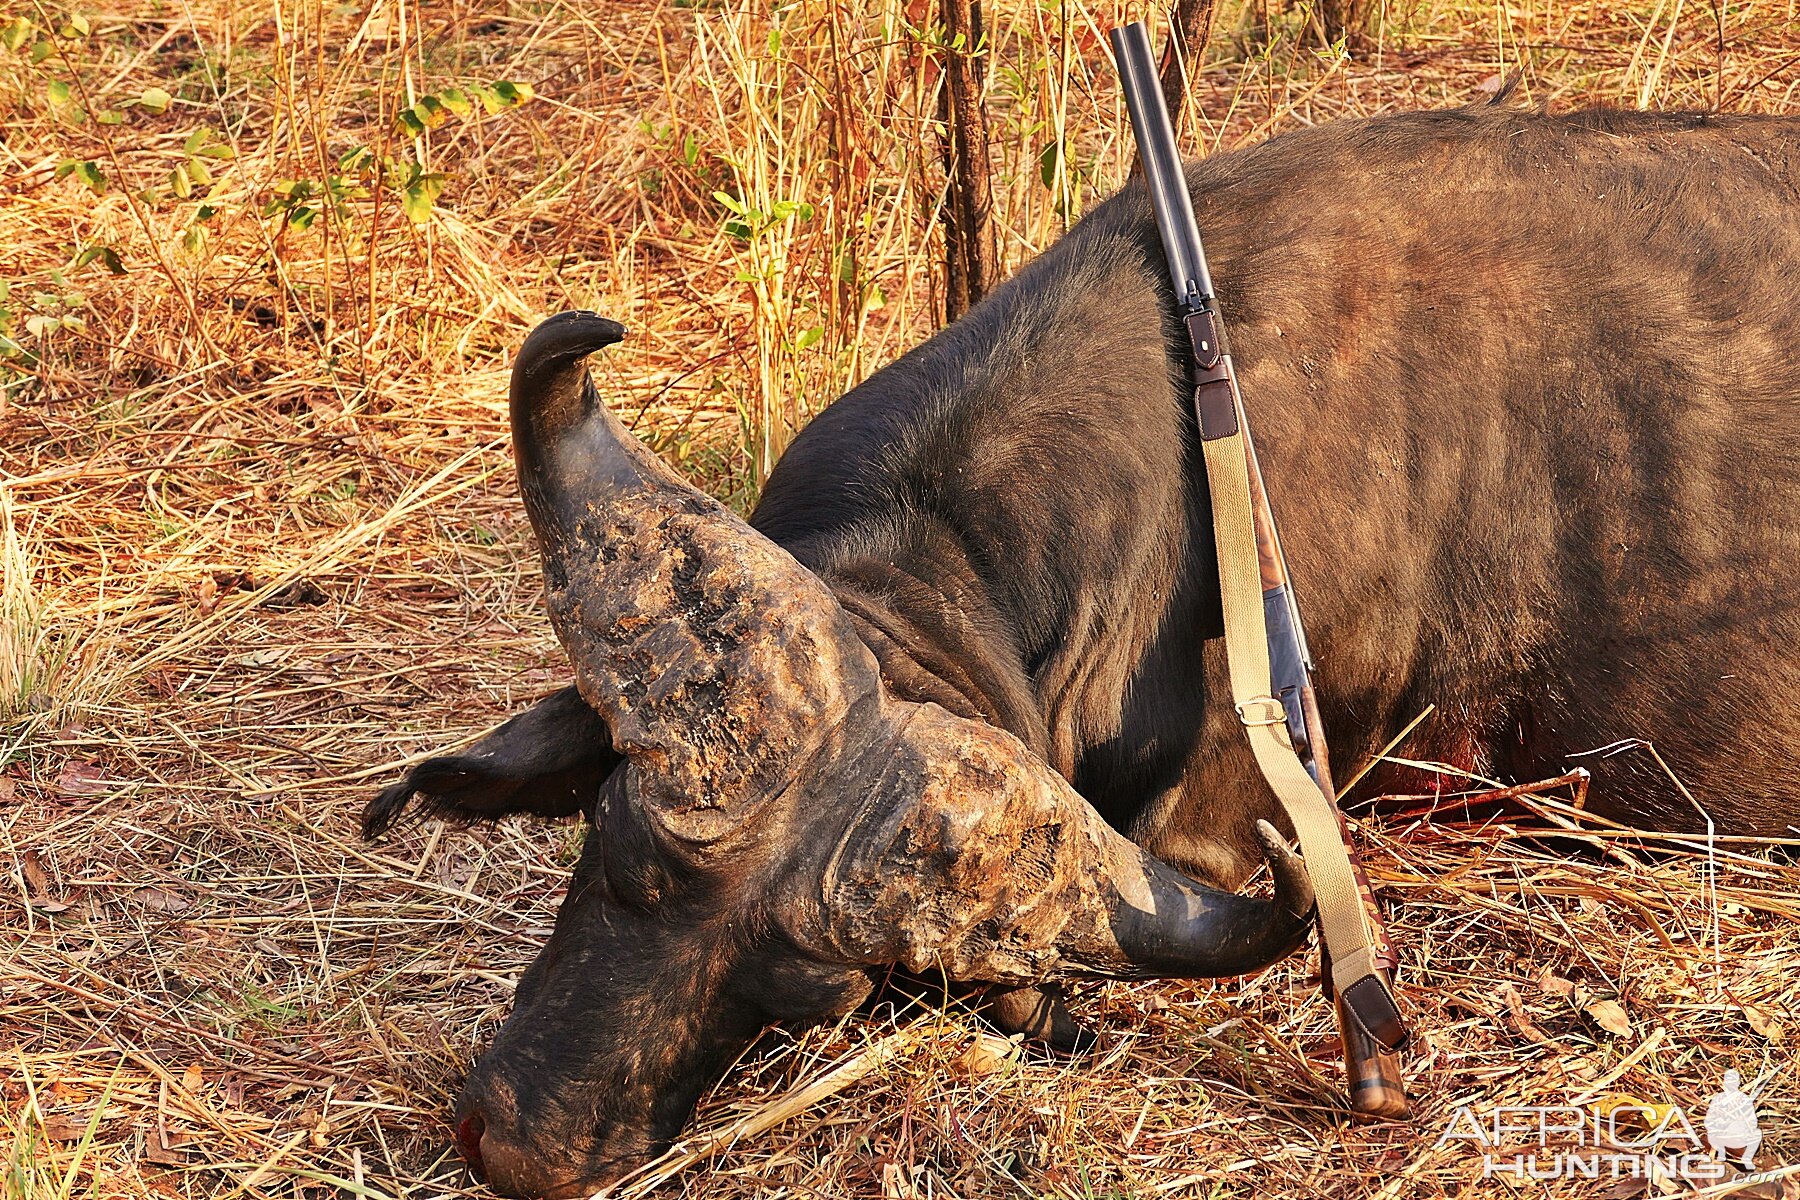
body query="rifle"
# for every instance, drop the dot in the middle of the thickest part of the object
(1270, 663)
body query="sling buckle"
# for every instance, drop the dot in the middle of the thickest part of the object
(1270, 703)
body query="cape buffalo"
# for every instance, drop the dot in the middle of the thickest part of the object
(1525, 387)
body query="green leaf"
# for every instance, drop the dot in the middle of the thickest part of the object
(690, 149)
(409, 123)
(511, 94)
(810, 338)
(217, 150)
(75, 27)
(85, 172)
(195, 140)
(430, 112)
(59, 93)
(15, 33)
(732, 203)
(279, 203)
(40, 51)
(180, 184)
(110, 116)
(420, 196)
(196, 171)
(457, 101)
(303, 217)
(106, 256)
(154, 99)
(1048, 161)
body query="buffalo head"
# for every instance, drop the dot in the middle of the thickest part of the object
(779, 828)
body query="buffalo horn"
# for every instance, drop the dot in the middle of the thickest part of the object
(717, 661)
(973, 857)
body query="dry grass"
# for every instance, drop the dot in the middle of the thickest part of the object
(261, 547)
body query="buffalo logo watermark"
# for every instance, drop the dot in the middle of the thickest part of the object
(1621, 1137)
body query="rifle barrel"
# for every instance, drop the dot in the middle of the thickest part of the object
(1162, 165)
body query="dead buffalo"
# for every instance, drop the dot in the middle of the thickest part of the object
(1528, 392)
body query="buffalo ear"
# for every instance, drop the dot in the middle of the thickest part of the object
(550, 761)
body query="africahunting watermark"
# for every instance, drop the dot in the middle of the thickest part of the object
(1621, 1137)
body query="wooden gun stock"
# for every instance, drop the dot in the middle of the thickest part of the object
(1377, 1079)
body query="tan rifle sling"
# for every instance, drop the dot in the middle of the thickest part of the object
(1355, 948)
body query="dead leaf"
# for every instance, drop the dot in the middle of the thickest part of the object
(1514, 1016)
(161, 899)
(37, 880)
(1490, 86)
(231, 1087)
(1765, 1022)
(81, 777)
(1625, 1189)
(38, 891)
(191, 1079)
(896, 1182)
(1555, 985)
(206, 594)
(379, 30)
(1625, 1108)
(9, 790)
(60, 1128)
(164, 1151)
(317, 1128)
(987, 1055)
(301, 593)
(1610, 1016)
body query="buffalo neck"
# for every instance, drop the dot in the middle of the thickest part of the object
(1012, 515)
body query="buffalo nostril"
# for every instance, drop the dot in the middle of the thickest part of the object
(468, 1140)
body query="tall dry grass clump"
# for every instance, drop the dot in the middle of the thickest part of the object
(261, 270)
